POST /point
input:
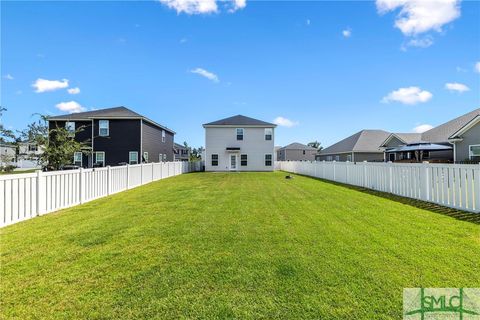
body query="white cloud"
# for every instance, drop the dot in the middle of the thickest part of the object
(419, 16)
(409, 95)
(183, 40)
(238, 5)
(284, 122)
(74, 90)
(8, 76)
(70, 107)
(460, 69)
(455, 86)
(477, 67)
(192, 6)
(308, 22)
(420, 42)
(43, 85)
(207, 74)
(347, 33)
(422, 128)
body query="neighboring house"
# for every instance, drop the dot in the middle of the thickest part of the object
(7, 154)
(239, 143)
(181, 153)
(455, 140)
(362, 146)
(28, 155)
(117, 136)
(296, 152)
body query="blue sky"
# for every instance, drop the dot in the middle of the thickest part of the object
(329, 69)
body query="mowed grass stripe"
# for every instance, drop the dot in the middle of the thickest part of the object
(232, 245)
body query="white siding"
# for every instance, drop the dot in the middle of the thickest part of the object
(217, 139)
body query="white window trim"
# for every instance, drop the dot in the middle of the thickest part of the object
(243, 154)
(145, 156)
(96, 160)
(100, 128)
(163, 135)
(270, 134)
(470, 155)
(81, 158)
(211, 159)
(72, 132)
(265, 159)
(236, 134)
(129, 157)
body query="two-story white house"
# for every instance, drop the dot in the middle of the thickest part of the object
(239, 143)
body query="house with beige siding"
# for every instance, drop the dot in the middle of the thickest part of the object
(296, 152)
(239, 143)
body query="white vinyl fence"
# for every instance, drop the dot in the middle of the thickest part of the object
(451, 185)
(24, 196)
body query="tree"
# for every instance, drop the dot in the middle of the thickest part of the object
(5, 134)
(59, 148)
(196, 154)
(37, 131)
(315, 144)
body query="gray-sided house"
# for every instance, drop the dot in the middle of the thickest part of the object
(455, 140)
(117, 136)
(296, 152)
(180, 152)
(362, 146)
(239, 143)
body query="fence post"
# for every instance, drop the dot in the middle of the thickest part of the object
(424, 182)
(390, 176)
(141, 173)
(109, 180)
(364, 164)
(334, 173)
(128, 176)
(39, 191)
(82, 186)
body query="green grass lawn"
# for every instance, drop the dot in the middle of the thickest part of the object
(18, 171)
(244, 246)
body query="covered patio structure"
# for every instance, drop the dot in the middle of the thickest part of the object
(419, 152)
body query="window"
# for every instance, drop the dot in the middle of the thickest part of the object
(337, 158)
(104, 128)
(77, 159)
(160, 157)
(409, 156)
(164, 157)
(100, 158)
(268, 133)
(163, 135)
(243, 160)
(303, 151)
(214, 160)
(268, 160)
(239, 133)
(329, 158)
(70, 126)
(474, 151)
(133, 157)
(145, 156)
(32, 148)
(349, 157)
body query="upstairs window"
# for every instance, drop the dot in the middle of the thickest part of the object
(32, 148)
(243, 160)
(268, 134)
(268, 160)
(239, 133)
(70, 127)
(145, 156)
(303, 151)
(214, 160)
(104, 128)
(133, 157)
(163, 135)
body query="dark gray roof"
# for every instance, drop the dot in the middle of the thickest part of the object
(444, 131)
(239, 120)
(117, 112)
(297, 146)
(178, 145)
(410, 137)
(362, 141)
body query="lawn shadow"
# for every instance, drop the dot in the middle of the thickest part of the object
(451, 212)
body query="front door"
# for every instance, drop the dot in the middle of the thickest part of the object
(233, 162)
